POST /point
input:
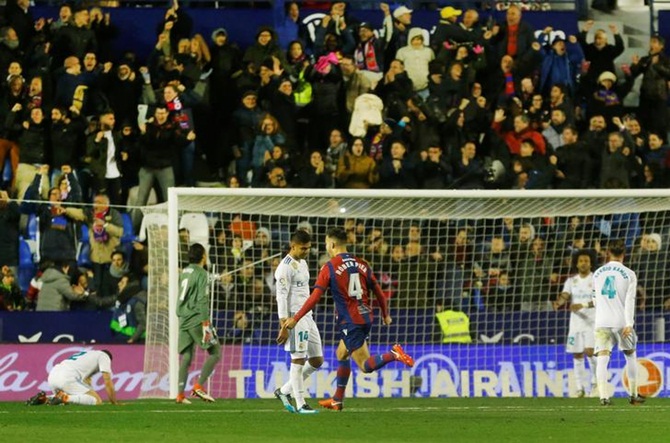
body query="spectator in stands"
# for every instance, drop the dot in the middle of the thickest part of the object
(179, 102)
(123, 89)
(468, 169)
(160, 143)
(31, 136)
(533, 170)
(335, 35)
(118, 267)
(397, 170)
(553, 129)
(448, 30)
(573, 162)
(493, 261)
(607, 100)
(515, 37)
(9, 233)
(57, 292)
(74, 40)
(656, 151)
(247, 119)
(433, 171)
(328, 111)
(534, 275)
(396, 29)
(502, 296)
(11, 298)
(337, 146)
(521, 131)
(105, 228)
(415, 278)
(57, 222)
(226, 62)
(314, 175)
(105, 32)
(356, 169)
(10, 48)
(269, 134)
(129, 318)
(64, 17)
(617, 163)
(355, 82)
(242, 330)
(65, 134)
(599, 55)
(650, 261)
(561, 64)
(265, 47)
(104, 157)
(369, 53)
(416, 56)
(655, 69)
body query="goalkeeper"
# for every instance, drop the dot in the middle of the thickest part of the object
(194, 323)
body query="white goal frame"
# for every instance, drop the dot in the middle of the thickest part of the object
(513, 203)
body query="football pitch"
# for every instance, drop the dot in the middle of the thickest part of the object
(407, 420)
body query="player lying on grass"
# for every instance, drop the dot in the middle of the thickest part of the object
(70, 380)
(350, 281)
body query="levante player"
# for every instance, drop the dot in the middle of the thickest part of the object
(350, 281)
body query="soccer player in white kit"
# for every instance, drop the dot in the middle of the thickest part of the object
(578, 290)
(70, 379)
(304, 343)
(614, 290)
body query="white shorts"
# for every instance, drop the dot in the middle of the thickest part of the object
(606, 338)
(579, 340)
(68, 381)
(304, 341)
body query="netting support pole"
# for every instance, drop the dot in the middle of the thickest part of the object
(173, 287)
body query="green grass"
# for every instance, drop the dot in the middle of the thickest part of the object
(363, 420)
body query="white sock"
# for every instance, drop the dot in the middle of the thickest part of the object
(580, 369)
(286, 388)
(592, 367)
(631, 372)
(298, 385)
(82, 399)
(601, 373)
(308, 370)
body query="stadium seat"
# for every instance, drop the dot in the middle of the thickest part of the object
(128, 232)
(32, 227)
(84, 255)
(27, 267)
(84, 234)
(7, 172)
(197, 225)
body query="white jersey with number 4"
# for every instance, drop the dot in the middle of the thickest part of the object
(292, 278)
(581, 292)
(86, 363)
(614, 290)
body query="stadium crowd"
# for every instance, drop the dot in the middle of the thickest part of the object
(477, 104)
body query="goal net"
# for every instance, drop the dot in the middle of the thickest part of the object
(470, 277)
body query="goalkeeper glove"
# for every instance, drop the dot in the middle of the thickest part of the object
(207, 332)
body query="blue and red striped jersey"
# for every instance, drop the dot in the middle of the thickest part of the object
(351, 281)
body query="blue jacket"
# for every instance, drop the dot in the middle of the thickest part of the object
(563, 69)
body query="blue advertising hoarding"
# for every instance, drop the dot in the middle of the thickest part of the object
(455, 371)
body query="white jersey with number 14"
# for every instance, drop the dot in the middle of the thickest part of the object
(614, 288)
(292, 278)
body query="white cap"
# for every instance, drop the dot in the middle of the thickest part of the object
(402, 10)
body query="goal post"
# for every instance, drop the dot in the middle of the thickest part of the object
(445, 275)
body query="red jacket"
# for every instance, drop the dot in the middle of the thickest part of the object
(514, 139)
